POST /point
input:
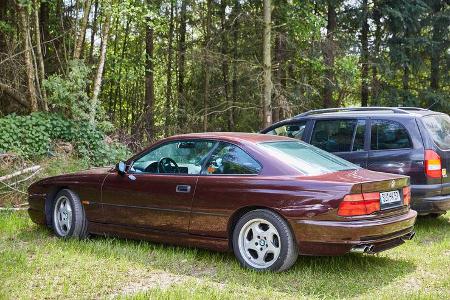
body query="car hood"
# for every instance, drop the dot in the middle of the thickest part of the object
(76, 176)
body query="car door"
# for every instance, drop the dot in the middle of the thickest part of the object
(225, 181)
(345, 138)
(156, 192)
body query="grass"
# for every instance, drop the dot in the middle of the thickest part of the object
(35, 264)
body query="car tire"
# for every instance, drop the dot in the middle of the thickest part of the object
(263, 241)
(434, 215)
(68, 216)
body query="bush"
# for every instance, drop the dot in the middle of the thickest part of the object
(35, 135)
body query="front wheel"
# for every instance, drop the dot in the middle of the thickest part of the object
(68, 217)
(263, 241)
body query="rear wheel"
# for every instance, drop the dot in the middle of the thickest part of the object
(263, 241)
(68, 218)
(434, 215)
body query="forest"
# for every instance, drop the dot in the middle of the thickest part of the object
(138, 70)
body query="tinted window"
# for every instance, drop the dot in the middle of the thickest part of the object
(358, 143)
(295, 130)
(230, 159)
(387, 135)
(439, 128)
(307, 159)
(188, 155)
(334, 135)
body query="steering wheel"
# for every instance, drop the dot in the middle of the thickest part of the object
(166, 165)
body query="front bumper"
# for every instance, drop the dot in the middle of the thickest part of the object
(316, 237)
(428, 199)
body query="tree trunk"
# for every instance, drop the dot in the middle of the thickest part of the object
(93, 33)
(436, 40)
(167, 104)
(364, 55)
(40, 57)
(44, 24)
(99, 75)
(267, 94)
(225, 67)
(207, 65)
(82, 30)
(149, 88)
(375, 55)
(3, 14)
(234, 82)
(25, 32)
(181, 65)
(329, 55)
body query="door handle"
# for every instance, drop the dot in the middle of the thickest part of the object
(183, 188)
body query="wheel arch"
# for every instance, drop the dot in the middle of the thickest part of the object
(53, 191)
(242, 211)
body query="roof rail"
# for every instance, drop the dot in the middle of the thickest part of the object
(413, 108)
(349, 109)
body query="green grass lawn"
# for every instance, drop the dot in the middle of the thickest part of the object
(35, 264)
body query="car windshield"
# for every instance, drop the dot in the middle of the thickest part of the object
(307, 159)
(439, 128)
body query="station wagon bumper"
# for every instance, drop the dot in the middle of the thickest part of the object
(429, 199)
(316, 237)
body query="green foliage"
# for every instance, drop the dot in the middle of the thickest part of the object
(34, 136)
(67, 94)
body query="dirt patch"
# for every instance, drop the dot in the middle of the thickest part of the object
(151, 280)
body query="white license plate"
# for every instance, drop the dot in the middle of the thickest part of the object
(390, 197)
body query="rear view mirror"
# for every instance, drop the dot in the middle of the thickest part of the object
(121, 168)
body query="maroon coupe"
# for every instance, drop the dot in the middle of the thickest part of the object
(268, 198)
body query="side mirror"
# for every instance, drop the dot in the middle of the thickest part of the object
(121, 168)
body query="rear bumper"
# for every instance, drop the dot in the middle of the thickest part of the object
(429, 199)
(339, 237)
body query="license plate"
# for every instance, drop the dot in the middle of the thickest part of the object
(390, 199)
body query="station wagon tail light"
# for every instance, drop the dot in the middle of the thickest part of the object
(359, 204)
(433, 166)
(406, 195)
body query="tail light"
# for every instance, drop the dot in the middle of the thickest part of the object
(359, 204)
(433, 166)
(406, 195)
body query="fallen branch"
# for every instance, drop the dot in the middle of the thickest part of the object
(25, 179)
(15, 95)
(26, 170)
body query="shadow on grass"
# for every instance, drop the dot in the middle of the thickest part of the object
(324, 277)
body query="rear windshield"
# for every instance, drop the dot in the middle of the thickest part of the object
(439, 128)
(307, 159)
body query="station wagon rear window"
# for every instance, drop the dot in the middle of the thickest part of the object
(439, 128)
(307, 159)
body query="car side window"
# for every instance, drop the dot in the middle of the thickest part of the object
(295, 130)
(230, 159)
(335, 135)
(185, 157)
(387, 135)
(360, 133)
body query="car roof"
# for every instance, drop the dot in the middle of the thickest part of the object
(239, 137)
(367, 111)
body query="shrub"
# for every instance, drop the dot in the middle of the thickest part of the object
(35, 135)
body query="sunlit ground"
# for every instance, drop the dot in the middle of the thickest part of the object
(35, 264)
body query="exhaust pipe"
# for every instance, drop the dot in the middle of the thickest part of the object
(362, 249)
(409, 236)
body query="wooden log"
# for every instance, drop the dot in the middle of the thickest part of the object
(26, 170)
